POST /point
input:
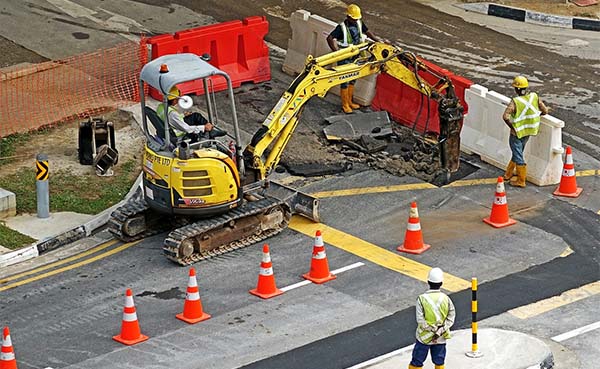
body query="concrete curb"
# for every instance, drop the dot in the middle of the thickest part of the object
(65, 238)
(523, 15)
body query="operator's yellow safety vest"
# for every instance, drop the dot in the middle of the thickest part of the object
(526, 120)
(347, 37)
(160, 111)
(435, 310)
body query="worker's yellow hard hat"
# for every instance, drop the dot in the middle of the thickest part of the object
(520, 82)
(353, 11)
(174, 93)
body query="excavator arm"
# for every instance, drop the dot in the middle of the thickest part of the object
(319, 76)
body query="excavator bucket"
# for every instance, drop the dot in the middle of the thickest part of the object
(299, 202)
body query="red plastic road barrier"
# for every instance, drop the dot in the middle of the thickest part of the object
(236, 47)
(403, 103)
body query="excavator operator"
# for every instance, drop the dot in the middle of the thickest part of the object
(351, 31)
(187, 124)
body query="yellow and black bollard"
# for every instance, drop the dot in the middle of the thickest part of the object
(474, 353)
(41, 186)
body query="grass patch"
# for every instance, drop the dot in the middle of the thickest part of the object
(12, 239)
(87, 194)
(10, 144)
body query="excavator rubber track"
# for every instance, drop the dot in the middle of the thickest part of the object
(137, 208)
(195, 234)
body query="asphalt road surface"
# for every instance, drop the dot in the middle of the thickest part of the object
(64, 314)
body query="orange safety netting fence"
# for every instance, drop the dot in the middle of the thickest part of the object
(48, 93)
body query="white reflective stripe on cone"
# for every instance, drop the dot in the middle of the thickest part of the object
(266, 258)
(414, 226)
(569, 172)
(569, 159)
(500, 187)
(414, 213)
(192, 282)
(7, 341)
(266, 271)
(192, 296)
(6, 356)
(128, 301)
(319, 241)
(129, 317)
(500, 200)
(319, 255)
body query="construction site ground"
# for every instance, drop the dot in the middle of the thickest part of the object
(539, 277)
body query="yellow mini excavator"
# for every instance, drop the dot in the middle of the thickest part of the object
(214, 198)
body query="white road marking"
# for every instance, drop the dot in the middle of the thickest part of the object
(378, 359)
(337, 271)
(576, 332)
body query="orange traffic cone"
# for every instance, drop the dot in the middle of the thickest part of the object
(130, 329)
(192, 308)
(7, 355)
(568, 183)
(319, 266)
(266, 280)
(499, 216)
(413, 238)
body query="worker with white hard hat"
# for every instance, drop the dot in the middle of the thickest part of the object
(435, 316)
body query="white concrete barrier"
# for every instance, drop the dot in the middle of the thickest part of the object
(309, 37)
(485, 133)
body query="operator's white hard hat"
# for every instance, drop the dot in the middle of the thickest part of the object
(435, 275)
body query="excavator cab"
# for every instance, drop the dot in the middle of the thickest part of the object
(182, 176)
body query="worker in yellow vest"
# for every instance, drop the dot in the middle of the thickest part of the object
(351, 31)
(522, 116)
(435, 315)
(190, 125)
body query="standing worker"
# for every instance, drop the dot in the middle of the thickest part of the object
(435, 316)
(190, 124)
(351, 31)
(522, 116)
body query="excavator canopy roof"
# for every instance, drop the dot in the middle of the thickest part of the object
(182, 68)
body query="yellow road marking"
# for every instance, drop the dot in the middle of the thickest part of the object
(374, 253)
(540, 307)
(378, 189)
(60, 262)
(423, 186)
(69, 267)
(568, 251)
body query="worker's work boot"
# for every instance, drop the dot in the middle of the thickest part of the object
(510, 171)
(344, 93)
(521, 176)
(351, 96)
(439, 366)
(414, 367)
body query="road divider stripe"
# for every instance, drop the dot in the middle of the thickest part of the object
(374, 253)
(69, 267)
(423, 186)
(337, 271)
(567, 297)
(576, 332)
(60, 262)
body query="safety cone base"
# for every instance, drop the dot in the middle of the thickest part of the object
(204, 316)
(119, 339)
(266, 295)
(509, 222)
(319, 280)
(418, 251)
(573, 194)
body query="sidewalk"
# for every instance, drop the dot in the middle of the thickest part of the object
(499, 349)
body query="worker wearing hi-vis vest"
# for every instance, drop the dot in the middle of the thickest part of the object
(435, 316)
(522, 116)
(351, 31)
(185, 125)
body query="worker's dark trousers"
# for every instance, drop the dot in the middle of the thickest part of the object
(419, 354)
